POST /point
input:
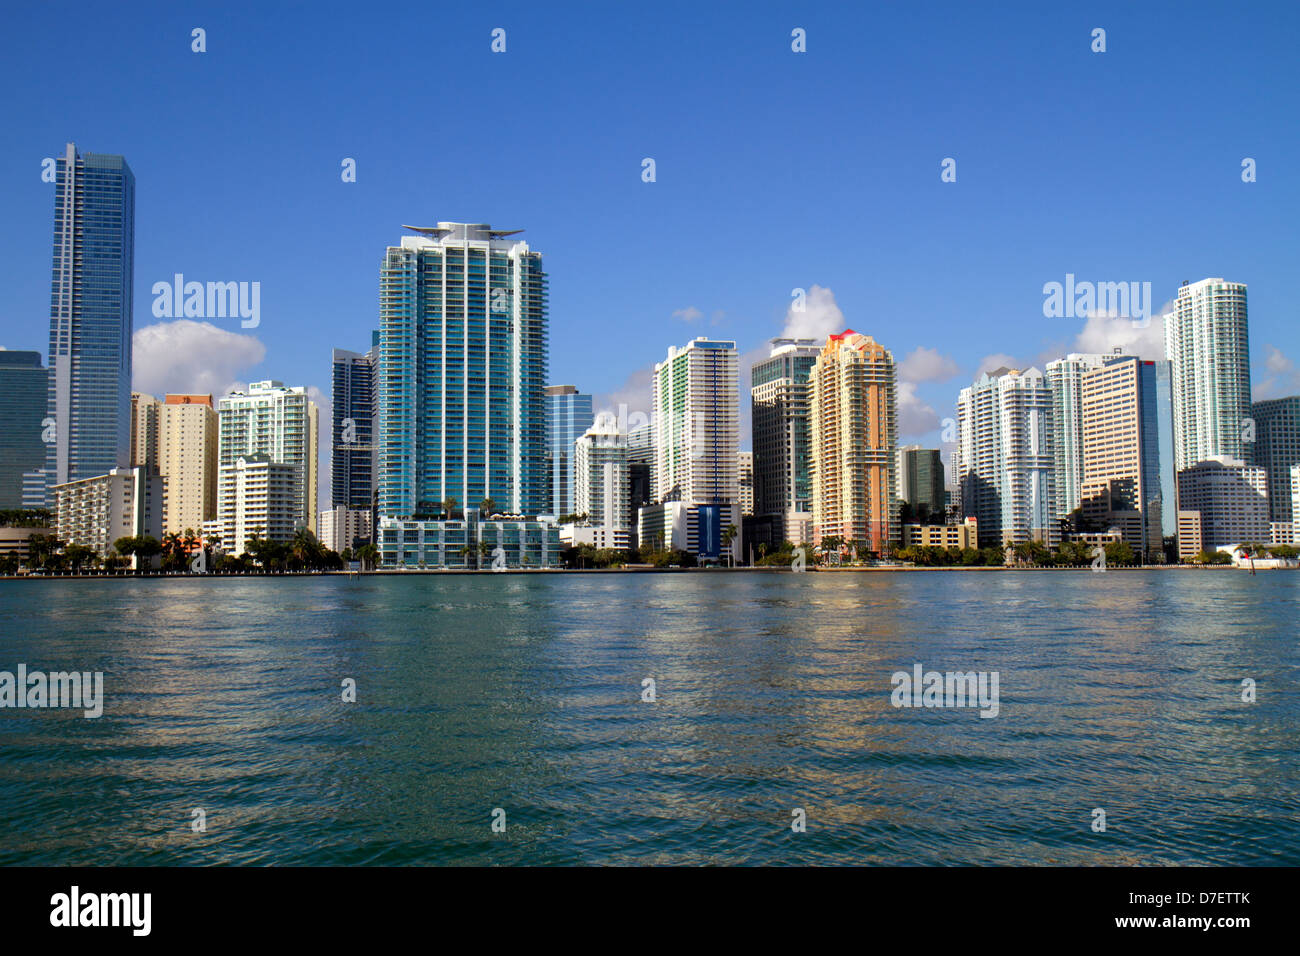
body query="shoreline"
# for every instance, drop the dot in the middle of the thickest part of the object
(393, 572)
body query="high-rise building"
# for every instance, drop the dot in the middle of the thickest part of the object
(854, 433)
(601, 476)
(1128, 468)
(187, 459)
(259, 498)
(1065, 378)
(462, 371)
(24, 391)
(1276, 449)
(144, 430)
(640, 466)
(279, 423)
(745, 482)
(1003, 460)
(1207, 345)
(352, 432)
(697, 437)
(1231, 498)
(921, 483)
(89, 395)
(781, 406)
(568, 415)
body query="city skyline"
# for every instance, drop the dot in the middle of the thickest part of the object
(948, 312)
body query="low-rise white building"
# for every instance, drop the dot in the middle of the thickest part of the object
(95, 512)
(1232, 498)
(343, 527)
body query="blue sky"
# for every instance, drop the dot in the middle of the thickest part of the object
(775, 170)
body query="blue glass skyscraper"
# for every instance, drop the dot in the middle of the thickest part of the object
(352, 430)
(90, 317)
(568, 416)
(24, 391)
(462, 372)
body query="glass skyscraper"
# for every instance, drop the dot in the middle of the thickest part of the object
(352, 429)
(462, 372)
(89, 395)
(1277, 451)
(781, 405)
(568, 416)
(24, 391)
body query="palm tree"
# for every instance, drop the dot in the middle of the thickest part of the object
(487, 506)
(729, 536)
(368, 555)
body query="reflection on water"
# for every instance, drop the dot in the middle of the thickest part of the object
(1120, 691)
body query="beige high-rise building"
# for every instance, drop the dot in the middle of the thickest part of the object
(854, 441)
(1128, 478)
(187, 457)
(144, 430)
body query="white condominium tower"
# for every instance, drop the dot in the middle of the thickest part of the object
(1065, 379)
(854, 442)
(1208, 350)
(279, 423)
(1003, 460)
(600, 475)
(696, 424)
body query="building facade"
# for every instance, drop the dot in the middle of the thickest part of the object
(1276, 449)
(964, 535)
(89, 396)
(568, 416)
(353, 451)
(1128, 468)
(280, 424)
(1231, 498)
(1208, 347)
(854, 435)
(920, 477)
(601, 476)
(187, 459)
(781, 410)
(697, 429)
(341, 527)
(259, 497)
(24, 392)
(96, 512)
(1004, 461)
(1065, 379)
(462, 371)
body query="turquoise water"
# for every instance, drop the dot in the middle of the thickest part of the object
(1119, 691)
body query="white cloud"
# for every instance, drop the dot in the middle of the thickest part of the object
(1282, 378)
(820, 318)
(188, 357)
(997, 360)
(634, 393)
(915, 417)
(927, 365)
(1104, 333)
(688, 314)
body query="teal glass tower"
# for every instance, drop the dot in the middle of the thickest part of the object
(89, 399)
(462, 373)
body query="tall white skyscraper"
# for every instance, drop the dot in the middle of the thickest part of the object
(1207, 346)
(600, 475)
(1003, 459)
(279, 423)
(696, 423)
(697, 436)
(1065, 379)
